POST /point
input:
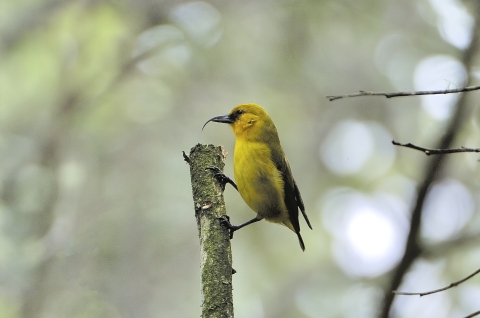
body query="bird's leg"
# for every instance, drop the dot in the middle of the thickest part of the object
(225, 220)
(221, 177)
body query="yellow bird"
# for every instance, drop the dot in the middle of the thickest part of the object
(261, 170)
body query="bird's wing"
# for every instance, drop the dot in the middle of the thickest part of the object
(292, 197)
(298, 197)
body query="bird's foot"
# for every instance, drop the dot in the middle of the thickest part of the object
(225, 221)
(221, 177)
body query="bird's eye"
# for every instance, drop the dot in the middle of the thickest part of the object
(234, 116)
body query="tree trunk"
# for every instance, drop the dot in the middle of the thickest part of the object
(215, 249)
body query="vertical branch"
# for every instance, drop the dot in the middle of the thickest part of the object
(216, 254)
(413, 248)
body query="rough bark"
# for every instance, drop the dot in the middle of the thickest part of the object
(216, 256)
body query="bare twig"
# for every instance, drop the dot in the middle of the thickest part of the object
(186, 157)
(428, 151)
(413, 247)
(454, 284)
(400, 94)
(473, 314)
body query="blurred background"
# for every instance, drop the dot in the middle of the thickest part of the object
(98, 99)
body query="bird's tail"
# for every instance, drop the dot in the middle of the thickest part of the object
(300, 240)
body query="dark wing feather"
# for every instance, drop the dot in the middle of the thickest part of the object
(292, 197)
(300, 204)
(289, 194)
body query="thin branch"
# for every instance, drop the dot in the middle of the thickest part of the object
(400, 94)
(413, 247)
(454, 284)
(473, 315)
(186, 157)
(429, 152)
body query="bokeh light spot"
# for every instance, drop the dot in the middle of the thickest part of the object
(369, 231)
(347, 148)
(355, 147)
(165, 49)
(448, 208)
(454, 23)
(200, 20)
(439, 72)
(423, 276)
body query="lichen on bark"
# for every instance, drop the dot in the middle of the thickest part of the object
(215, 249)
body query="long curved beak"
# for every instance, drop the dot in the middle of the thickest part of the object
(226, 119)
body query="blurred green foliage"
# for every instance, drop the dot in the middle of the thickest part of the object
(99, 98)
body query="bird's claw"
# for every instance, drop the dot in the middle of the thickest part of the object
(221, 177)
(225, 221)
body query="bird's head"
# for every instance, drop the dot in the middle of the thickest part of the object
(249, 121)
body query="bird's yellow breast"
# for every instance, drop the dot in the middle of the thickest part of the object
(259, 182)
